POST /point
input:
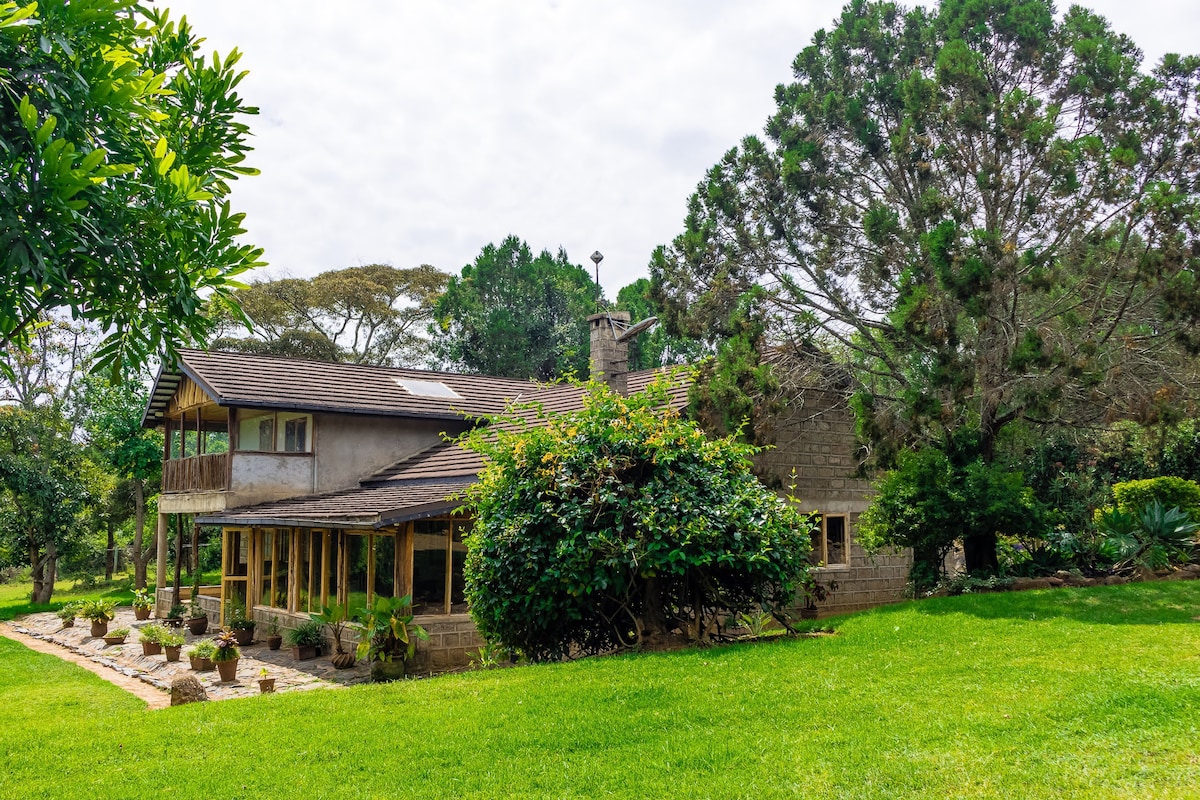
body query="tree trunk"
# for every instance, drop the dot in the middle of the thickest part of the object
(110, 552)
(653, 625)
(49, 568)
(36, 570)
(140, 559)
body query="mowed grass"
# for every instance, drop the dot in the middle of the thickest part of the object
(14, 597)
(1070, 693)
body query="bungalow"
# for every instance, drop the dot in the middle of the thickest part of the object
(331, 483)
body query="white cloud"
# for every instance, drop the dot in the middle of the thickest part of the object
(412, 133)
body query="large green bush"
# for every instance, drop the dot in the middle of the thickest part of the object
(1171, 492)
(621, 524)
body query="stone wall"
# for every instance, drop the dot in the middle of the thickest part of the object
(814, 459)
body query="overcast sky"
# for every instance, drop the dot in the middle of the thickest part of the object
(409, 133)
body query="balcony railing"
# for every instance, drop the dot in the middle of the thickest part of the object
(196, 474)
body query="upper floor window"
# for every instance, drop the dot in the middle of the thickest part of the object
(274, 432)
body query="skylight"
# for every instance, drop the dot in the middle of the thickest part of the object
(427, 388)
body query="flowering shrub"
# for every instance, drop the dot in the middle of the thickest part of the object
(619, 524)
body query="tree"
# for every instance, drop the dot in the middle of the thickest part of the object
(375, 314)
(657, 347)
(987, 214)
(515, 315)
(45, 485)
(113, 423)
(621, 524)
(118, 145)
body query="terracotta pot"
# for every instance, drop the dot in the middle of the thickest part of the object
(141, 613)
(227, 670)
(111, 640)
(99, 629)
(173, 622)
(273, 642)
(201, 664)
(343, 660)
(266, 685)
(244, 635)
(197, 625)
(304, 653)
(173, 651)
(151, 648)
(69, 623)
(808, 613)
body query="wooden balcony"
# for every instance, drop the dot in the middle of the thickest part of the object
(207, 473)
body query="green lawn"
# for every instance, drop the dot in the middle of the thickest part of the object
(14, 597)
(1070, 693)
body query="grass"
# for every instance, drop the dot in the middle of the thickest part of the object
(1090, 693)
(14, 597)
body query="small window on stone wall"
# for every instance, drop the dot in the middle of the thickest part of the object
(830, 541)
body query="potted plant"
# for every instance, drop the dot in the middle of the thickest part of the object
(241, 625)
(387, 637)
(201, 656)
(197, 618)
(172, 643)
(175, 616)
(226, 655)
(151, 637)
(274, 638)
(305, 640)
(99, 613)
(335, 620)
(142, 603)
(813, 591)
(266, 684)
(68, 612)
(116, 637)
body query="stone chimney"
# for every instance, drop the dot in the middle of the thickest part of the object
(610, 358)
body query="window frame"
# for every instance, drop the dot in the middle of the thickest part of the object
(822, 562)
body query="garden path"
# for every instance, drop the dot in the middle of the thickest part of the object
(149, 677)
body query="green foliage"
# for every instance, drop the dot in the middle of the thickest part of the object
(335, 619)
(119, 142)
(516, 315)
(656, 347)
(620, 523)
(386, 631)
(170, 638)
(69, 611)
(204, 649)
(1134, 496)
(98, 610)
(1151, 536)
(153, 634)
(985, 212)
(226, 647)
(143, 599)
(306, 634)
(928, 502)
(373, 314)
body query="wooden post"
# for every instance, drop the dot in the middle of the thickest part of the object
(370, 537)
(160, 553)
(449, 561)
(325, 568)
(293, 587)
(178, 558)
(404, 586)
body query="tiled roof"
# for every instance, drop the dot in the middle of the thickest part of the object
(367, 507)
(257, 381)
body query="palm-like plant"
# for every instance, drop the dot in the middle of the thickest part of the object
(387, 632)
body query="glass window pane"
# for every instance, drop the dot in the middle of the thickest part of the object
(385, 566)
(283, 542)
(293, 432)
(357, 553)
(256, 431)
(458, 597)
(817, 555)
(268, 547)
(429, 566)
(835, 540)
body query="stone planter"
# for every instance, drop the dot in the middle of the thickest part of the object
(173, 651)
(151, 648)
(197, 625)
(305, 653)
(111, 640)
(343, 660)
(385, 671)
(227, 670)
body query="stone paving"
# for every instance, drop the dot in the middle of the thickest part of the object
(127, 659)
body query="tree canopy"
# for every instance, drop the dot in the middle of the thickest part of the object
(985, 214)
(374, 314)
(119, 142)
(516, 315)
(621, 524)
